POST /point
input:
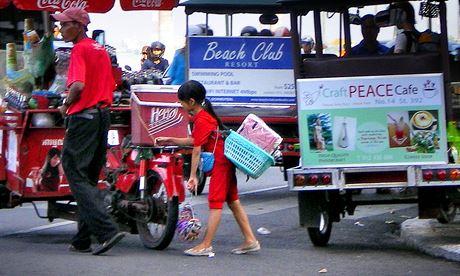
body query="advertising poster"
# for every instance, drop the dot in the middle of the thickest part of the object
(242, 70)
(370, 121)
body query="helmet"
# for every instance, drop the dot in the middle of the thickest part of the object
(157, 45)
(265, 32)
(195, 30)
(249, 31)
(307, 40)
(282, 31)
(203, 27)
(188, 226)
(200, 29)
(145, 49)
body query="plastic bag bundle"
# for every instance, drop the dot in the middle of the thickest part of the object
(188, 226)
(258, 132)
(42, 56)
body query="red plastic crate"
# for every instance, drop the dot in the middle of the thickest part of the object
(155, 112)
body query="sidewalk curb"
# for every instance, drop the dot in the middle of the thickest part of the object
(432, 237)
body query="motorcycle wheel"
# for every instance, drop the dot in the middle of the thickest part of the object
(158, 231)
(319, 236)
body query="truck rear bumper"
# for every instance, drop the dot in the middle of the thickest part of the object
(314, 179)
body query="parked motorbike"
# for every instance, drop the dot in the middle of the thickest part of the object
(142, 191)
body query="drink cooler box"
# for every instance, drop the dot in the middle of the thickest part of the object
(155, 112)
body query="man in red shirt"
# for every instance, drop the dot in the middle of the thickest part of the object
(90, 86)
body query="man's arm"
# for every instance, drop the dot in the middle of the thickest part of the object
(74, 94)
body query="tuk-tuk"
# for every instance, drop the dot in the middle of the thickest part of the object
(241, 86)
(368, 122)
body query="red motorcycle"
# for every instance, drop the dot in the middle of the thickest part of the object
(145, 188)
(141, 185)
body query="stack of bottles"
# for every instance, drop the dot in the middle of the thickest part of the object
(15, 99)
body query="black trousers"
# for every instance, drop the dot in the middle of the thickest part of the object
(83, 155)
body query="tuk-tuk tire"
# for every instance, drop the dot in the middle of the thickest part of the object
(318, 236)
(447, 213)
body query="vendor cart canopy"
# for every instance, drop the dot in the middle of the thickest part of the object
(332, 5)
(233, 6)
(4, 3)
(274, 6)
(94, 6)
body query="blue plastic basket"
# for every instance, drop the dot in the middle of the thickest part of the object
(247, 157)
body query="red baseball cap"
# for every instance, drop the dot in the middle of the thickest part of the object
(73, 14)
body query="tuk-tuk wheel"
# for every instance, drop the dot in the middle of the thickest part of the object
(447, 213)
(319, 236)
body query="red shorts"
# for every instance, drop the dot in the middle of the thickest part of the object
(222, 186)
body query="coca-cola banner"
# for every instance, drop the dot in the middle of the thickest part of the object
(4, 3)
(131, 5)
(97, 6)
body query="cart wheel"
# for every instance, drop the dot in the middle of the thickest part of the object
(157, 224)
(447, 213)
(201, 182)
(319, 236)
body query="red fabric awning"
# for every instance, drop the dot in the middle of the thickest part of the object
(132, 5)
(4, 3)
(98, 6)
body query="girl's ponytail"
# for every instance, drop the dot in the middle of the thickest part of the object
(193, 89)
(208, 107)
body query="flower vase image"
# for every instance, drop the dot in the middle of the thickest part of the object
(343, 138)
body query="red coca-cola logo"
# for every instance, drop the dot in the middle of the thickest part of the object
(147, 3)
(62, 4)
(130, 5)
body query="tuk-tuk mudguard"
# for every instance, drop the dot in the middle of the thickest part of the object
(432, 199)
(4, 196)
(2, 168)
(312, 203)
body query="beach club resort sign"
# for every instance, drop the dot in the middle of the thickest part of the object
(241, 70)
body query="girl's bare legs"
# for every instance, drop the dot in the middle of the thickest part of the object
(214, 220)
(213, 223)
(242, 219)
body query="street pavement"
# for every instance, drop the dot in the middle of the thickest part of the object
(367, 243)
(426, 235)
(432, 237)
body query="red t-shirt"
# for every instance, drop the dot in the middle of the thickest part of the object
(90, 64)
(204, 133)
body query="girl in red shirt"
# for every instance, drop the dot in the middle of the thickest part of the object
(222, 185)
